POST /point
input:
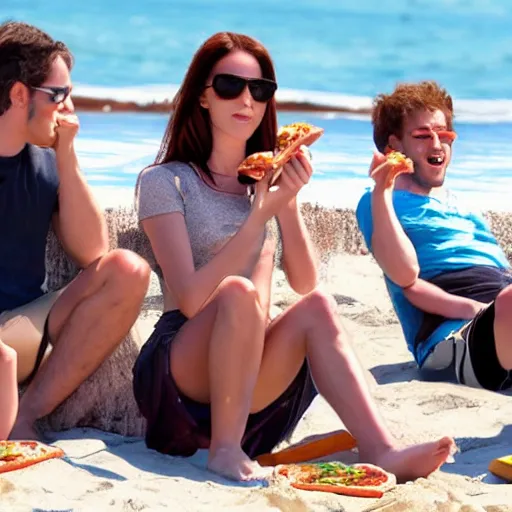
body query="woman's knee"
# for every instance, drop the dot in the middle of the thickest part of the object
(319, 305)
(318, 312)
(237, 290)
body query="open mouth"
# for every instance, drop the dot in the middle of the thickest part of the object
(437, 160)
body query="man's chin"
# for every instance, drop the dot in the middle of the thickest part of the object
(43, 142)
(428, 183)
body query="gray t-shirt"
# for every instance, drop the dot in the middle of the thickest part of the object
(212, 217)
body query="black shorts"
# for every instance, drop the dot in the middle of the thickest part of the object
(472, 352)
(472, 349)
(177, 425)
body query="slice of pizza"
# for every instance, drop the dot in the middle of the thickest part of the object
(255, 167)
(289, 139)
(20, 454)
(359, 480)
(297, 134)
(399, 162)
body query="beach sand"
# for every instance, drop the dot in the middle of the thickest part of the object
(110, 472)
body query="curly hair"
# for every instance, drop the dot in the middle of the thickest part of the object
(390, 110)
(26, 56)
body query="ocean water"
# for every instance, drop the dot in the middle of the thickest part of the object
(330, 52)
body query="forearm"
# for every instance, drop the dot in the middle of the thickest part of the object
(235, 258)
(82, 225)
(390, 245)
(431, 299)
(299, 254)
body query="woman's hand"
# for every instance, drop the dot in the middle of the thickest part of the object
(268, 201)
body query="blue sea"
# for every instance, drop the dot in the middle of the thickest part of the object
(330, 52)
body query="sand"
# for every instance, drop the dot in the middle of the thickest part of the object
(110, 472)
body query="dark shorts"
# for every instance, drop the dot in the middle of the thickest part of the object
(177, 425)
(472, 349)
(472, 352)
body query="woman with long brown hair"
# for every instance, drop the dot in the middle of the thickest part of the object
(217, 373)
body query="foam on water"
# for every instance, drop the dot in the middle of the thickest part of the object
(468, 111)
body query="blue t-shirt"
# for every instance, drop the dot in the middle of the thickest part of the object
(28, 198)
(447, 238)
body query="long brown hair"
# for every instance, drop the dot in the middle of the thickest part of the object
(390, 110)
(188, 136)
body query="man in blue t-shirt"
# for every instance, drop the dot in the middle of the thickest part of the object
(59, 338)
(447, 277)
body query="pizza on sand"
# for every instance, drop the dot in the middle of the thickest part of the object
(358, 480)
(20, 454)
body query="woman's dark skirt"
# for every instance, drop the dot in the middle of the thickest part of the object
(177, 425)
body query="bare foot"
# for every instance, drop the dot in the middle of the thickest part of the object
(415, 461)
(24, 430)
(234, 464)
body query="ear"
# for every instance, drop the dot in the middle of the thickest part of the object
(395, 143)
(203, 101)
(19, 95)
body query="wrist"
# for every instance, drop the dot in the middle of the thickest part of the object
(469, 308)
(65, 149)
(382, 191)
(256, 220)
(289, 210)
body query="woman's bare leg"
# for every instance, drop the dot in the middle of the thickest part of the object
(228, 333)
(312, 327)
(8, 390)
(216, 358)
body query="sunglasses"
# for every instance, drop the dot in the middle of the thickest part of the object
(56, 94)
(445, 136)
(229, 87)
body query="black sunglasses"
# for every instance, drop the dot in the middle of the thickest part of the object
(229, 87)
(57, 94)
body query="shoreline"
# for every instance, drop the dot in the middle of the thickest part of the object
(106, 105)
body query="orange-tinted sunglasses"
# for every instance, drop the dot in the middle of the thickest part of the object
(445, 136)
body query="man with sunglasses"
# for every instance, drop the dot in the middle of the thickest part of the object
(60, 338)
(448, 279)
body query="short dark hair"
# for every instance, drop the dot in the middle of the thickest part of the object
(26, 55)
(389, 110)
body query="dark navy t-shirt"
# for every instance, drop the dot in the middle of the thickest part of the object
(28, 198)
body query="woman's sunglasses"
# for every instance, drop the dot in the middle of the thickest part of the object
(56, 94)
(229, 87)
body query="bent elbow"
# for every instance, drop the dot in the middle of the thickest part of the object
(407, 279)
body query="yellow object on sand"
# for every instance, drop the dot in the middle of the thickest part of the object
(502, 467)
